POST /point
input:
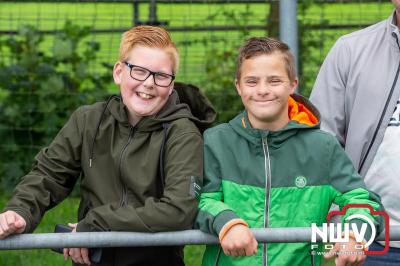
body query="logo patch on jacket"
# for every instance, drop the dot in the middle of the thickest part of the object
(195, 186)
(300, 181)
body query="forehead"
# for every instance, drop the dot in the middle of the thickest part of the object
(265, 65)
(155, 59)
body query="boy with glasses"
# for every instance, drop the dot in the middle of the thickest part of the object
(271, 166)
(138, 157)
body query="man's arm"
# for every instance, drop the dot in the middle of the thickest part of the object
(329, 91)
(349, 188)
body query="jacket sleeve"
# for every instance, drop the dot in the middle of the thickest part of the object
(213, 213)
(175, 210)
(328, 93)
(350, 188)
(53, 176)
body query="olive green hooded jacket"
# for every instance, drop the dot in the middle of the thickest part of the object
(138, 178)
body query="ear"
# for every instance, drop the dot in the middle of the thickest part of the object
(293, 85)
(171, 88)
(237, 85)
(117, 73)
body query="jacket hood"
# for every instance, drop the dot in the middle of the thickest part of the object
(186, 101)
(303, 116)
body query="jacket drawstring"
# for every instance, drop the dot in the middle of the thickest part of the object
(161, 162)
(97, 129)
(164, 141)
(312, 254)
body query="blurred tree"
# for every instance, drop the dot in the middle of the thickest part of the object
(39, 90)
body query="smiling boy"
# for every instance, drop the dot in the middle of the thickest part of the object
(137, 156)
(271, 166)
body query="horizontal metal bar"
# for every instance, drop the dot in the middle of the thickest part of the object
(144, 1)
(204, 28)
(192, 1)
(182, 28)
(129, 239)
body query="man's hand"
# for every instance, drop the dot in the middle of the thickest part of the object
(347, 254)
(78, 255)
(239, 241)
(11, 223)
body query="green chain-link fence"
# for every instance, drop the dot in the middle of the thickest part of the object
(65, 57)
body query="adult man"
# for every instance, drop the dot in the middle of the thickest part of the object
(357, 92)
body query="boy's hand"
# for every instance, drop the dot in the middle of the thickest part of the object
(347, 254)
(78, 255)
(239, 241)
(11, 223)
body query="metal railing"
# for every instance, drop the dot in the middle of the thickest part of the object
(127, 239)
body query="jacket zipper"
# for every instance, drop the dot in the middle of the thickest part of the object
(123, 200)
(218, 256)
(267, 168)
(383, 112)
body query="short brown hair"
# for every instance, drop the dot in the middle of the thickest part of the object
(256, 46)
(149, 36)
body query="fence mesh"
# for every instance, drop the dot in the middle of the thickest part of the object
(207, 34)
(198, 27)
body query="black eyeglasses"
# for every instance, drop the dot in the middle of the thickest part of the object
(141, 74)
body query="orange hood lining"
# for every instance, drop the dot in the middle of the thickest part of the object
(297, 112)
(300, 113)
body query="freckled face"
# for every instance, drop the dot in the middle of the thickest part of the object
(144, 98)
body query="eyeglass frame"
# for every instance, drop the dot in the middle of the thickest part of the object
(151, 73)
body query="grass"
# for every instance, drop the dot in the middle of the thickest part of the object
(49, 16)
(64, 213)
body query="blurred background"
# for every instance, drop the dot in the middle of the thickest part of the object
(58, 55)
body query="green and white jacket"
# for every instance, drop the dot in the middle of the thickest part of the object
(286, 178)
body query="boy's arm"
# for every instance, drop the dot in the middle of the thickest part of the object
(214, 214)
(11, 223)
(215, 217)
(218, 218)
(349, 188)
(53, 176)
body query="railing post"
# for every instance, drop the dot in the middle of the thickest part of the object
(288, 32)
(135, 6)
